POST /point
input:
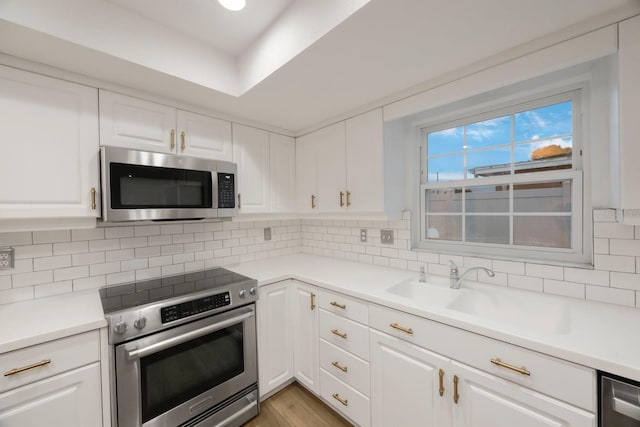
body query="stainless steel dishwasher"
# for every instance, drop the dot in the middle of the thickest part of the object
(619, 401)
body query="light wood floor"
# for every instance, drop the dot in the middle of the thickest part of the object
(296, 407)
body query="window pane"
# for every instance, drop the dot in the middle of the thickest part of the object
(547, 231)
(550, 154)
(487, 229)
(443, 169)
(447, 200)
(489, 133)
(490, 198)
(544, 122)
(444, 227)
(445, 141)
(489, 163)
(542, 197)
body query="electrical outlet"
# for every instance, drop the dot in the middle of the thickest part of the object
(7, 256)
(386, 237)
(363, 235)
(267, 233)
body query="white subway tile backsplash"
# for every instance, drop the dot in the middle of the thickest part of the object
(193, 228)
(182, 238)
(169, 270)
(33, 251)
(87, 234)
(19, 266)
(583, 275)
(149, 273)
(195, 266)
(71, 248)
(510, 267)
(626, 264)
(134, 264)
(30, 279)
(147, 251)
(18, 238)
(52, 262)
(613, 231)
(182, 258)
(567, 289)
(50, 289)
(89, 283)
(159, 240)
(611, 295)
(104, 245)
(70, 273)
(428, 257)
(624, 247)
(87, 258)
(16, 295)
(5, 283)
(160, 261)
(146, 230)
(119, 278)
(54, 236)
(544, 271)
(625, 280)
(118, 232)
(604, 215)
(525, 282)
(120, 255)
(133, 242)
(601, 246)
(172, 249)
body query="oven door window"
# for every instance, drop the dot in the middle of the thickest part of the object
(147, 187)
(180, 373)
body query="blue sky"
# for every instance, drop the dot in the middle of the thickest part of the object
(533, 129)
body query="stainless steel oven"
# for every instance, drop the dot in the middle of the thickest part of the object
(187, 359)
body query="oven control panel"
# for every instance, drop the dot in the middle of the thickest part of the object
(193, 307)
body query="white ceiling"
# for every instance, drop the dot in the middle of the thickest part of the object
(210, 23)
(317, 60)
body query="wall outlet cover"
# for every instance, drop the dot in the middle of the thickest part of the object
(363, 235)
(267, 233)
(386, 237)
(7, 257)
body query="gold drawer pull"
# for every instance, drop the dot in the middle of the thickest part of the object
(456, 396)
(313, 201)
(172, 143)
(313, 301)
(182, 144)
(441, 388)
(342, 368)
(27, 368)
(401, 328)
(348, 198)
(93, 198)
(336, 304)
(337, 397)
(500, 363)
(341, 198)
(338, 333)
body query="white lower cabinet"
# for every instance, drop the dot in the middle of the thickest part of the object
(275, 343)
(305, 335)
(71, 399)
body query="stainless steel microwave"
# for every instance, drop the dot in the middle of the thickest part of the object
(141, 185)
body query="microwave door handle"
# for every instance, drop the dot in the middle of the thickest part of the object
(188, 336)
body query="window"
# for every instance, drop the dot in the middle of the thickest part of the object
(508, 182)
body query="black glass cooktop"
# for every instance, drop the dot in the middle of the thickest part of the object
(119, 297)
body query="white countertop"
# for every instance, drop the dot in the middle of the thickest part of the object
(600, 336)
(31, 322)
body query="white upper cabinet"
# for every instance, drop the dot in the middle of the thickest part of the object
(251, 153)
(49, 160)
(142, 125)
(341, 168)
(203, 136)
(306, 174)
(365, 163)
(282, 165)
(134, 123)
(629, 104)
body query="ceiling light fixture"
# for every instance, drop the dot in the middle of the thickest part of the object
(233, 4)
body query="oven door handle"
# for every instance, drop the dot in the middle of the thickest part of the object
(187, 336)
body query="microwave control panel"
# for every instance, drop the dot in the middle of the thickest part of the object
(193, 307)
(226, 190)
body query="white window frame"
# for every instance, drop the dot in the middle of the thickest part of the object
(573, 255)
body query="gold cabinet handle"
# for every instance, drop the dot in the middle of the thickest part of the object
(341, 199)
(27, 368)
(313, 301)
(441, 385)
(337, 397)
(456, 396)
(336, 304)
(172, 144)
(342, 368)
(93, 198)
(182, 143)
(348, 198)
(342, 335)
(313, 201)
(401, 328)
(239, 201)
(500, 363)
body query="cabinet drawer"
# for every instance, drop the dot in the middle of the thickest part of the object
(345, 366)
(345, 399)
(344, 333)
(345, 306)
(47, 359)
(564, 380)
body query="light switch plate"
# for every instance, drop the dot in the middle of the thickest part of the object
(7, 257)
(386, 237)
(363, 235)
(267, 233)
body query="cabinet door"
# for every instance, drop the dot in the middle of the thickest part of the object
(49, 160)
(305, 336)
(306, 174)
(364, 162)
(134, 123)
(275, 343)
(282, 165)
(251, 153)
(72, 399)
(203, 136)
(405, 384)
(331, 168)
(486, 400)
(629, 105)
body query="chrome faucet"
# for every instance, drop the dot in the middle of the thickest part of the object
(455, 278)
(423, 277)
